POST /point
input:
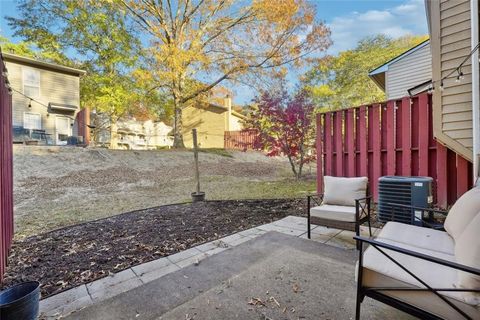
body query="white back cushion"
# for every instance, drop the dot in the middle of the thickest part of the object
(344, 191)
(462, 212)
(467, 252)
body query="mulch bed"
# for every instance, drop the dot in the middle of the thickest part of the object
(68, 257)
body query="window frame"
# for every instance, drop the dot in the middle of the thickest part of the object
(33, 113)
(29, 69)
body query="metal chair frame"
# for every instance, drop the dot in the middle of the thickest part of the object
(377, 292)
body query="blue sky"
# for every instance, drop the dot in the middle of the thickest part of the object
(349, 21)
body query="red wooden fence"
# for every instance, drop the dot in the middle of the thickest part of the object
(239, 140)
(390, 138)
(6, 172)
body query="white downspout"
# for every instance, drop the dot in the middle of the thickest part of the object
(475, 89)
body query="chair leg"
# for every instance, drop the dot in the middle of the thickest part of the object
(308, 218)
(357, 307)
(357, 233)
(369, 227)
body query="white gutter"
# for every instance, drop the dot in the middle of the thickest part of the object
(475, 89)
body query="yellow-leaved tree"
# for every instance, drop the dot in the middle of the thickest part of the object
(194, 45)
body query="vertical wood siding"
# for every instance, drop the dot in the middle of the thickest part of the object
(391, 138)
(6, 172)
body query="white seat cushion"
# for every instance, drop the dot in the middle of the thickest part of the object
(467, 252)
(343, 191)
(331, 212)
(462, 212)
(379, 271)
(419, 237)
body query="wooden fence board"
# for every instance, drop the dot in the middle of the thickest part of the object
(394, 138)
(338, 138)
(6, 171)
(328, 144)
(319, 147)
(391, 143)
(376, 147)
(362, 129)
(350, 141)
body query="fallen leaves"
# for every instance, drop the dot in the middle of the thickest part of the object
(295, 287)
(68, 257)
(256, 302)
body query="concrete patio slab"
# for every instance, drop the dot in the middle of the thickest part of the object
(158, 273)
(271, 277)
(112, 285)
(184, 255)
(102, 289)
(285, 230)
(67, 301)
(151, 266)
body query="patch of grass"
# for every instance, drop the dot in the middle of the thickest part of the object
(216, 151)
(285, 188)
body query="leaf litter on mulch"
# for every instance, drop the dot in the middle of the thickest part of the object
(65, 258)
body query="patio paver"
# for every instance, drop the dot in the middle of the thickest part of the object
(223, 286)
(113, 285)
(102, 289)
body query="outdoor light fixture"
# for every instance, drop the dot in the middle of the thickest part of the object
(460, 76)
(30, 104)
(441, 86)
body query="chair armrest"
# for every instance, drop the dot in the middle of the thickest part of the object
(315, 195)
(378, 244)
(316, 198)
(363, 205)
(369, 198)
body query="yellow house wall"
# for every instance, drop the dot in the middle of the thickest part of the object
(236, 124)
(210, 124)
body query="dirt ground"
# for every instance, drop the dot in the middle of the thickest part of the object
(68, 257)
(59, 186)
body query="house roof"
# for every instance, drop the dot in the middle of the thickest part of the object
(234, 113)
(45, 65)
(378, 74)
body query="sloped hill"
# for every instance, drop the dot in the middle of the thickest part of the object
(58, 186)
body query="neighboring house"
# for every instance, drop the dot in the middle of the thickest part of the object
(454, 33)
(132, 134)
(56, 87)
(410, 69)
(211, 121)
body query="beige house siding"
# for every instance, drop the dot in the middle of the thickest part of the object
(210, 124)
(451, 43)
(55, 87)
(236, 123)
(411, 70)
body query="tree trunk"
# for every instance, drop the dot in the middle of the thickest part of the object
(178, 136)
(300, 169)
(292, 164)
(178, 126)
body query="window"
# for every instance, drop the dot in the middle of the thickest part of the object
(32, 120)
(63, 130)
(31, 82)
